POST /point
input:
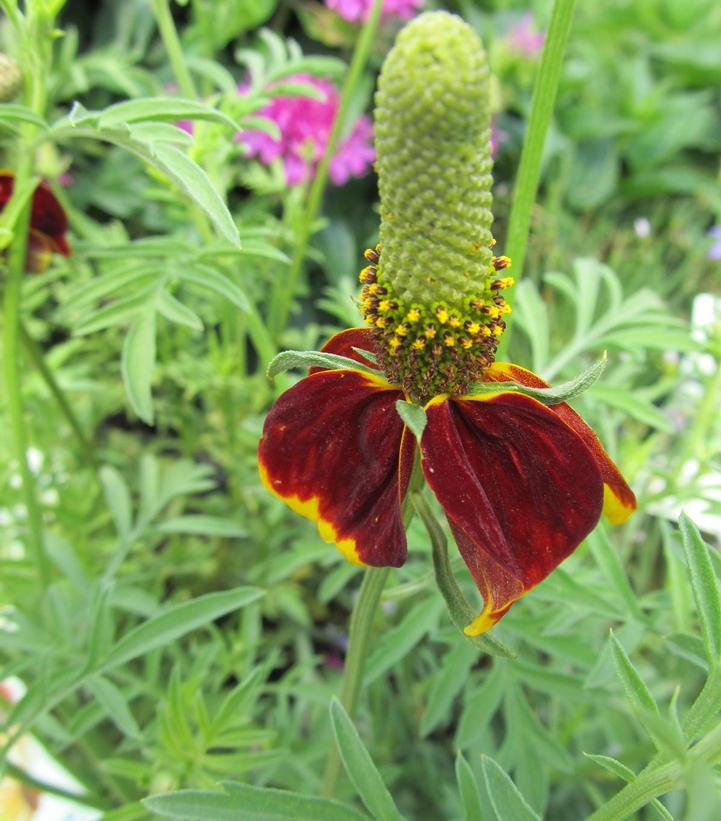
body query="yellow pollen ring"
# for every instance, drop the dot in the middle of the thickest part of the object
(310, 509)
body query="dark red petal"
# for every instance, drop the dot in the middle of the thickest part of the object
(521, 491)
(334, 450)
(619, 501)
(342, 344)
(48, 217)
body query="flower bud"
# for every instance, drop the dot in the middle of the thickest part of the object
(11, 78)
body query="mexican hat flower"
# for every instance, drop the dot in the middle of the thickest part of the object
(522, 481)
(48, 224)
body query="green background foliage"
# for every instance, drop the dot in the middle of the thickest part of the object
(179, 632)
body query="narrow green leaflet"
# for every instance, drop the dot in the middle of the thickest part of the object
(176, 621)
(137, 364)
(634, 686)
(360, 767)
(202, 525)
(469, 791)
(241, 801)
(446, 685)
(209, 279)
(413, 416)
(548, 396)
(705, 587)
(290, 360)
(11, 113)
(191, 178)
(506, 799)
(170, 109)
(113, 702)
(174, 310)
(117, 497)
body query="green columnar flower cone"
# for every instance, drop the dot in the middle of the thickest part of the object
(431, 291)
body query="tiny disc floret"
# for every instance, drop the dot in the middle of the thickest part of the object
(437, 349)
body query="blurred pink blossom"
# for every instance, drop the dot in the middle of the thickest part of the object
(498, 137)
(305, 125)
(357, 11)
(523, 39)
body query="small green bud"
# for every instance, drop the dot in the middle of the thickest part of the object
(11, 78)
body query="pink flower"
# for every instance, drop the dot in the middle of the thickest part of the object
(358, 11)
(305, 125)
(523, 39)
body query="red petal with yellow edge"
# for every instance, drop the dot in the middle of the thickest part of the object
(343, 343)
(520, 489)
(619, 501)
(333, 449)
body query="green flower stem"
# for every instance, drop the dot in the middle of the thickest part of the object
(36, 357)
(361, 622)
(529, 170)
(13, 390)
(285, 289)
(171, 41)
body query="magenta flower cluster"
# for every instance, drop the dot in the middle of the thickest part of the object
(523, 39)
(305, 125)
(358, 11)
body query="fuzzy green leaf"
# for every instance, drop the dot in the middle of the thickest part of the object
(705, 587)
(137, 364)
(360, 767)
(290, 360)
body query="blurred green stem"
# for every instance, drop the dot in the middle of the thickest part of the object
(284, 291)
(36, 58)
(361, 622)
(529, 169)
(36, 357)
(169, 35)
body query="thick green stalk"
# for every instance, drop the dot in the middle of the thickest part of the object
(529, 170)
(169, 35)
(36, 357)
(285, 289)
(361, 622)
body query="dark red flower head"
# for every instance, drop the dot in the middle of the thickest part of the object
(48, 224)
(522, 483)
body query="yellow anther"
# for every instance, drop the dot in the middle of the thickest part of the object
(473, 328)
(384, 305)
(449, 340)
(366, 273)
(402, 330)
(485, 331)
(381, 322)
(430, 331)
(413, 315)
(497, 330)
(394, 344)
(506, 282)
(493, 312)
(505, 309)
(371, 320)
(419, 344)
(502, 262)
(466, 342)
(367, 304)
(442, 315)
(374, 288)
(492, 243)
(454, 322)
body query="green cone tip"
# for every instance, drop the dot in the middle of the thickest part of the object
(431, 291)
